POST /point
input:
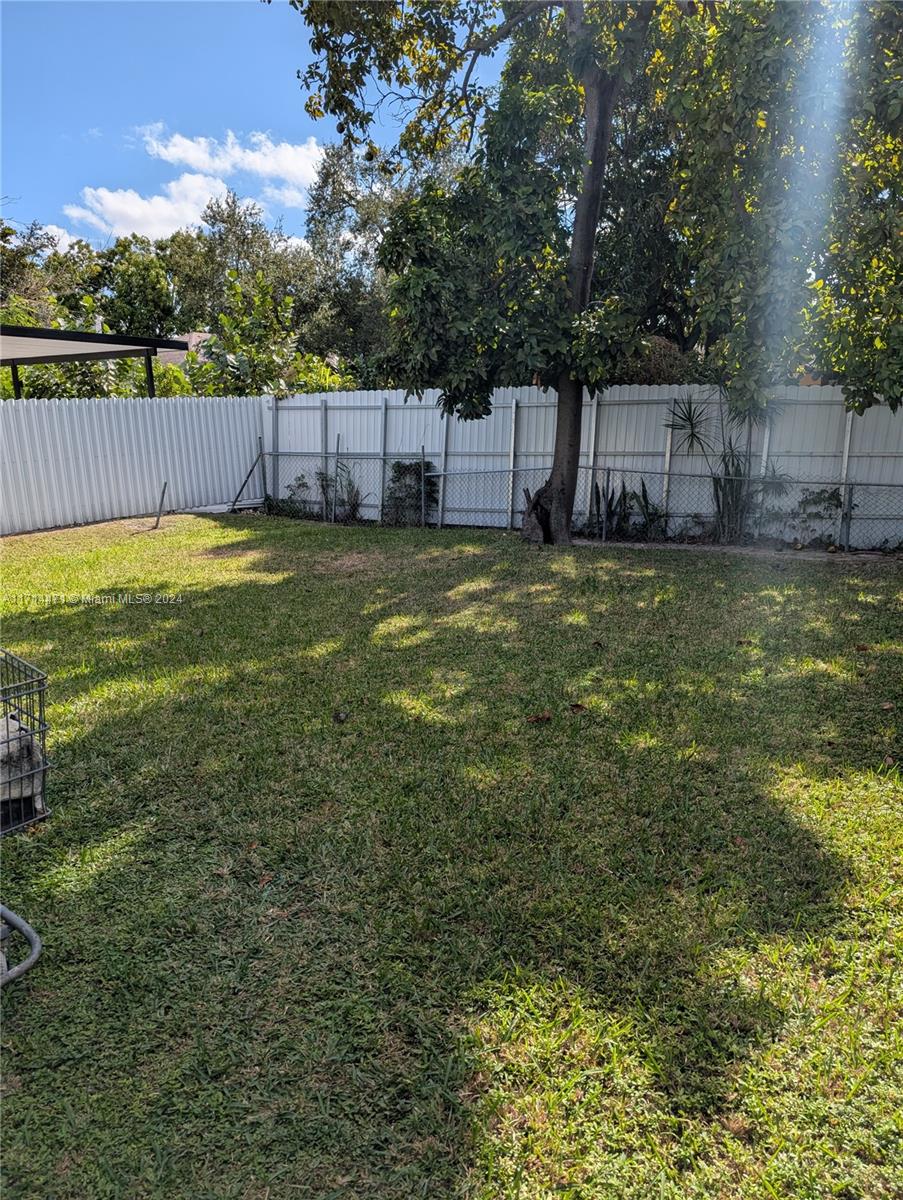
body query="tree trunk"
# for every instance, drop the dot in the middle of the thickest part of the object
(549, 511)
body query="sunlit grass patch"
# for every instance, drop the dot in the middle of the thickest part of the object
(401, 632)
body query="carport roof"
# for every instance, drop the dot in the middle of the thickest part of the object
(23, 345)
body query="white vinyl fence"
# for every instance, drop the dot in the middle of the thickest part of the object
(67, 462)
(72, 461)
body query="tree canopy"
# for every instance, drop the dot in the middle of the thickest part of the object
(192, 281)
(699, 236)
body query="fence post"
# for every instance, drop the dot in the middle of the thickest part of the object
(423, 487)
(275, 448)
(592, 459)
(335, 476)
(160, 505)
(605, 507)
(763, 471)
(382, 457)
(446, 421)
(845, 532)
(766, 444)
(846, 489)
(263, 470)
(324, 452)
(512, 451)
(666, 482)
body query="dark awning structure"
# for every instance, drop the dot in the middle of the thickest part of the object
(25, 346)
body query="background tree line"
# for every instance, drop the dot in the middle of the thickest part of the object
(308, 314)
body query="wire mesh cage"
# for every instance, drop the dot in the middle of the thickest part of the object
(23, 744)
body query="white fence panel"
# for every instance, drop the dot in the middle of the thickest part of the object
(875, 447)
(67, 462)
(807, 432)
(486, 464)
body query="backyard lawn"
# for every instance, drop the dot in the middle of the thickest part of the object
(402, 864)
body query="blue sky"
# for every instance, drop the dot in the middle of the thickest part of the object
(127, 115)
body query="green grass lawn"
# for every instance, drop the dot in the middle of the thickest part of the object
(401, 864)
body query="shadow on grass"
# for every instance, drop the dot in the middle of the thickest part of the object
(325, 911)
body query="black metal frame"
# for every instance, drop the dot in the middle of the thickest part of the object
(23, 744)
(135, 347)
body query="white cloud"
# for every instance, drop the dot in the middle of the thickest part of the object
(121, 211)
(286, 197)
(288, 167)
(64, 238)
(292, 163)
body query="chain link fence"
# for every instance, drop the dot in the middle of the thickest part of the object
(611, 504)
(733, 509)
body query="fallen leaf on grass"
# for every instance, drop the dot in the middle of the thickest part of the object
(862, 647)
(888, 706)
(265, 879)
(539, 718)
(744, 641)
(738, 1126)
(577, 708)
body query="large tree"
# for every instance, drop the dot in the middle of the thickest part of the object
(855, 325)
(350, 209)
(495, 275)
(787, 124)
(233, 240)
(575, 58)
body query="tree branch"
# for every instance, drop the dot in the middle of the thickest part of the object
(481, 45)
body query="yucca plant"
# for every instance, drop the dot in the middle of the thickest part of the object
(735, 494)
(340, 494)
(618, 509)
(651, 516)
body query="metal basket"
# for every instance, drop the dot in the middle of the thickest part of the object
(23, 744)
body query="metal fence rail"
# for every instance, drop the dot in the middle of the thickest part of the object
(612, 503)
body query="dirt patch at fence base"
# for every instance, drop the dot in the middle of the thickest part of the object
(787, 554)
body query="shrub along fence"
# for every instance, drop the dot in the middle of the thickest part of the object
(656, 462)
